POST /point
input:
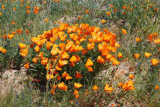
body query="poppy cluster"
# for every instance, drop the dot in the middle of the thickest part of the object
(152, 38)
(127, 86)
(66, 45)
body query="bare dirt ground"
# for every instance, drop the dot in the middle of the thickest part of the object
(12, 79)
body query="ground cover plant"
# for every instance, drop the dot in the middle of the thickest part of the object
(79, 53)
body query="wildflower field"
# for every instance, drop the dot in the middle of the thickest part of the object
(80, 53)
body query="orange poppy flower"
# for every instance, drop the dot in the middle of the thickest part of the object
(94, 36)
(113, 105)
(58, 68)
(19, 31)
(62, 62)
(44, 61)
(79, 17)
(3, 7)
(147, 54)
(108, 13)
(157, 41)
(77, 42)
(44, 2)
(90, 69)
(35, 40)
(87, 11)
(122, 72)
(28, 7)
(54, 51)
(120, 55)
(68, 45)
(65, 74)
(13, 22)
(14, 9)
(4, 51)
(131, 76)
(49, 76)
(138, 39)
(84, 51)
(26, 66)
(10, 36)
(86, 93)
(36, 10)
(62, 86)
(52, 39)
(46, 20)
(22, 46)
(77, 85)
(75, 92)
(27, 31)
(154, 62)
(115, 10)
(124, 31)
(77, 96)
(151, 6)
(103, 21)
(68, 78)
(72, 64)
(27, 11)
(62, 45)
(115, 62)
(124, 86)
(111, 5)
(72, 48)
(90, 40)
(35, 60)
(157, 87)
(73, 59)
(24, 52)
(155, 9)
(136, 56)
(65, 55)
(78, 48)
(100, 59)
(107, 38)
(52, 91)
(90, 46)
(89, 63)
(48, 45)
(78, 58)
(108, 89)
(78, 75)
(112, 58)
(128, 85)
(54, 86)
(1, 48)
(117, 45)
(100, 47)
(48, 67)
(74, 37)
(95, 88)
(41, 55)
(107, 56)
(120, 84)
(124, 7)
(37, 48)
(100, 39)
(41, 42)
(58, 78)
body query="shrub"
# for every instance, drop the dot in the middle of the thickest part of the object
(69, 54)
